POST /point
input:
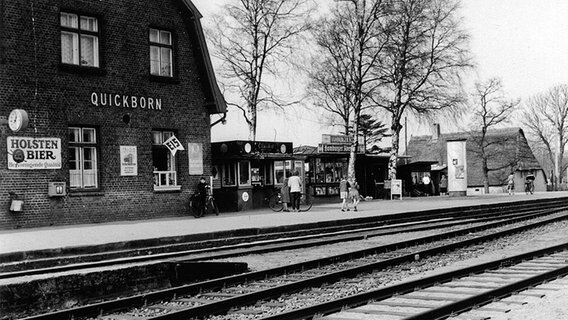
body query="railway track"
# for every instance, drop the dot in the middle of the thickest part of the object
(245, 296)
(273, 242)
(451, 293)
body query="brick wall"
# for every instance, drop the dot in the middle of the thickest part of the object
(55, 97)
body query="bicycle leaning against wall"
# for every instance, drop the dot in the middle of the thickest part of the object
(275, 202)
(200, 204)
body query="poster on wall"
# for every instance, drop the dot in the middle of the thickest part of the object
(128, 161)
(25, 153)
(195, 155)
(460, 172)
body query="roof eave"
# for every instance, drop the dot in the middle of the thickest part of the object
(218, 105)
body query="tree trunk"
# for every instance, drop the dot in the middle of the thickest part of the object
(485, 175)
(393, 159)
(353, 152)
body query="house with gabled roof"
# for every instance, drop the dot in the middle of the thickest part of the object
(507, 151)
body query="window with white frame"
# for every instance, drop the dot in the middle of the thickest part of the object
(79, 40)
(83, 158)
(229, 174)
(165, 175)
(161, 53)
(244, 173)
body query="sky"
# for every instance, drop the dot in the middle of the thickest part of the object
(522, 42)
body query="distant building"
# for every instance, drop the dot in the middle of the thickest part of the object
(103, 86)
(508, 151)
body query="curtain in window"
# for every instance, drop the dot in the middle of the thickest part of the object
(89, 51)
(70, 48)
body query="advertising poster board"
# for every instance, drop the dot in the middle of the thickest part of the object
(195, 156)
(128, 161)
(26, 153)
(396, 188)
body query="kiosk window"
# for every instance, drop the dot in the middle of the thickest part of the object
(244, 173)
(282, 170)
(330, 171)
(229, 175)
(267, 174)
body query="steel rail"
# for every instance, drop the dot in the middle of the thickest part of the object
(220, 307)
(255, 234)
(251, 298)
(270, 245)
(442, 312)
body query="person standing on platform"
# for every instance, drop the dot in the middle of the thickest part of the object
(426, 181)
(344, 193)
(443, 185)
(511, 183)
(295, 185)
(354, 194)
(285, 194)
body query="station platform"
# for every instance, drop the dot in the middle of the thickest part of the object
(49, 238)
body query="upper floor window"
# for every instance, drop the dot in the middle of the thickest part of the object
(161, 52)
(79, 40)
(83, 167)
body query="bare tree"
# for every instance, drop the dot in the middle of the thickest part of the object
(420, 72)
(252, 39)
(490, 110)
(350, 43)
(546, 117)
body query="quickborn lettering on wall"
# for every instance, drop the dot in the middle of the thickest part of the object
(103, 99)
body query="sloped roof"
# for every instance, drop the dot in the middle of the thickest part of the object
(507, 150)
(215, 100)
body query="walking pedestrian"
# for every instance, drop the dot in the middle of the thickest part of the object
(354, 194)
(344, 193)
(295, 185)
(285, 194)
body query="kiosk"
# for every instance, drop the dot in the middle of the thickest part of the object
(246, 173)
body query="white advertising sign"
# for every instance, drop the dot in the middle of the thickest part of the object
(195, 155)
(26, 153)
(396, 188)
(128, 161)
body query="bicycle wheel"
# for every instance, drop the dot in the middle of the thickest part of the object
(275, 202)
(305, 202)
(213, 206)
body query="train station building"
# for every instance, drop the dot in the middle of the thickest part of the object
(105, 110)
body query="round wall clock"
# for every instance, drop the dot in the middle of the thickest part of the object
(18, 120)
